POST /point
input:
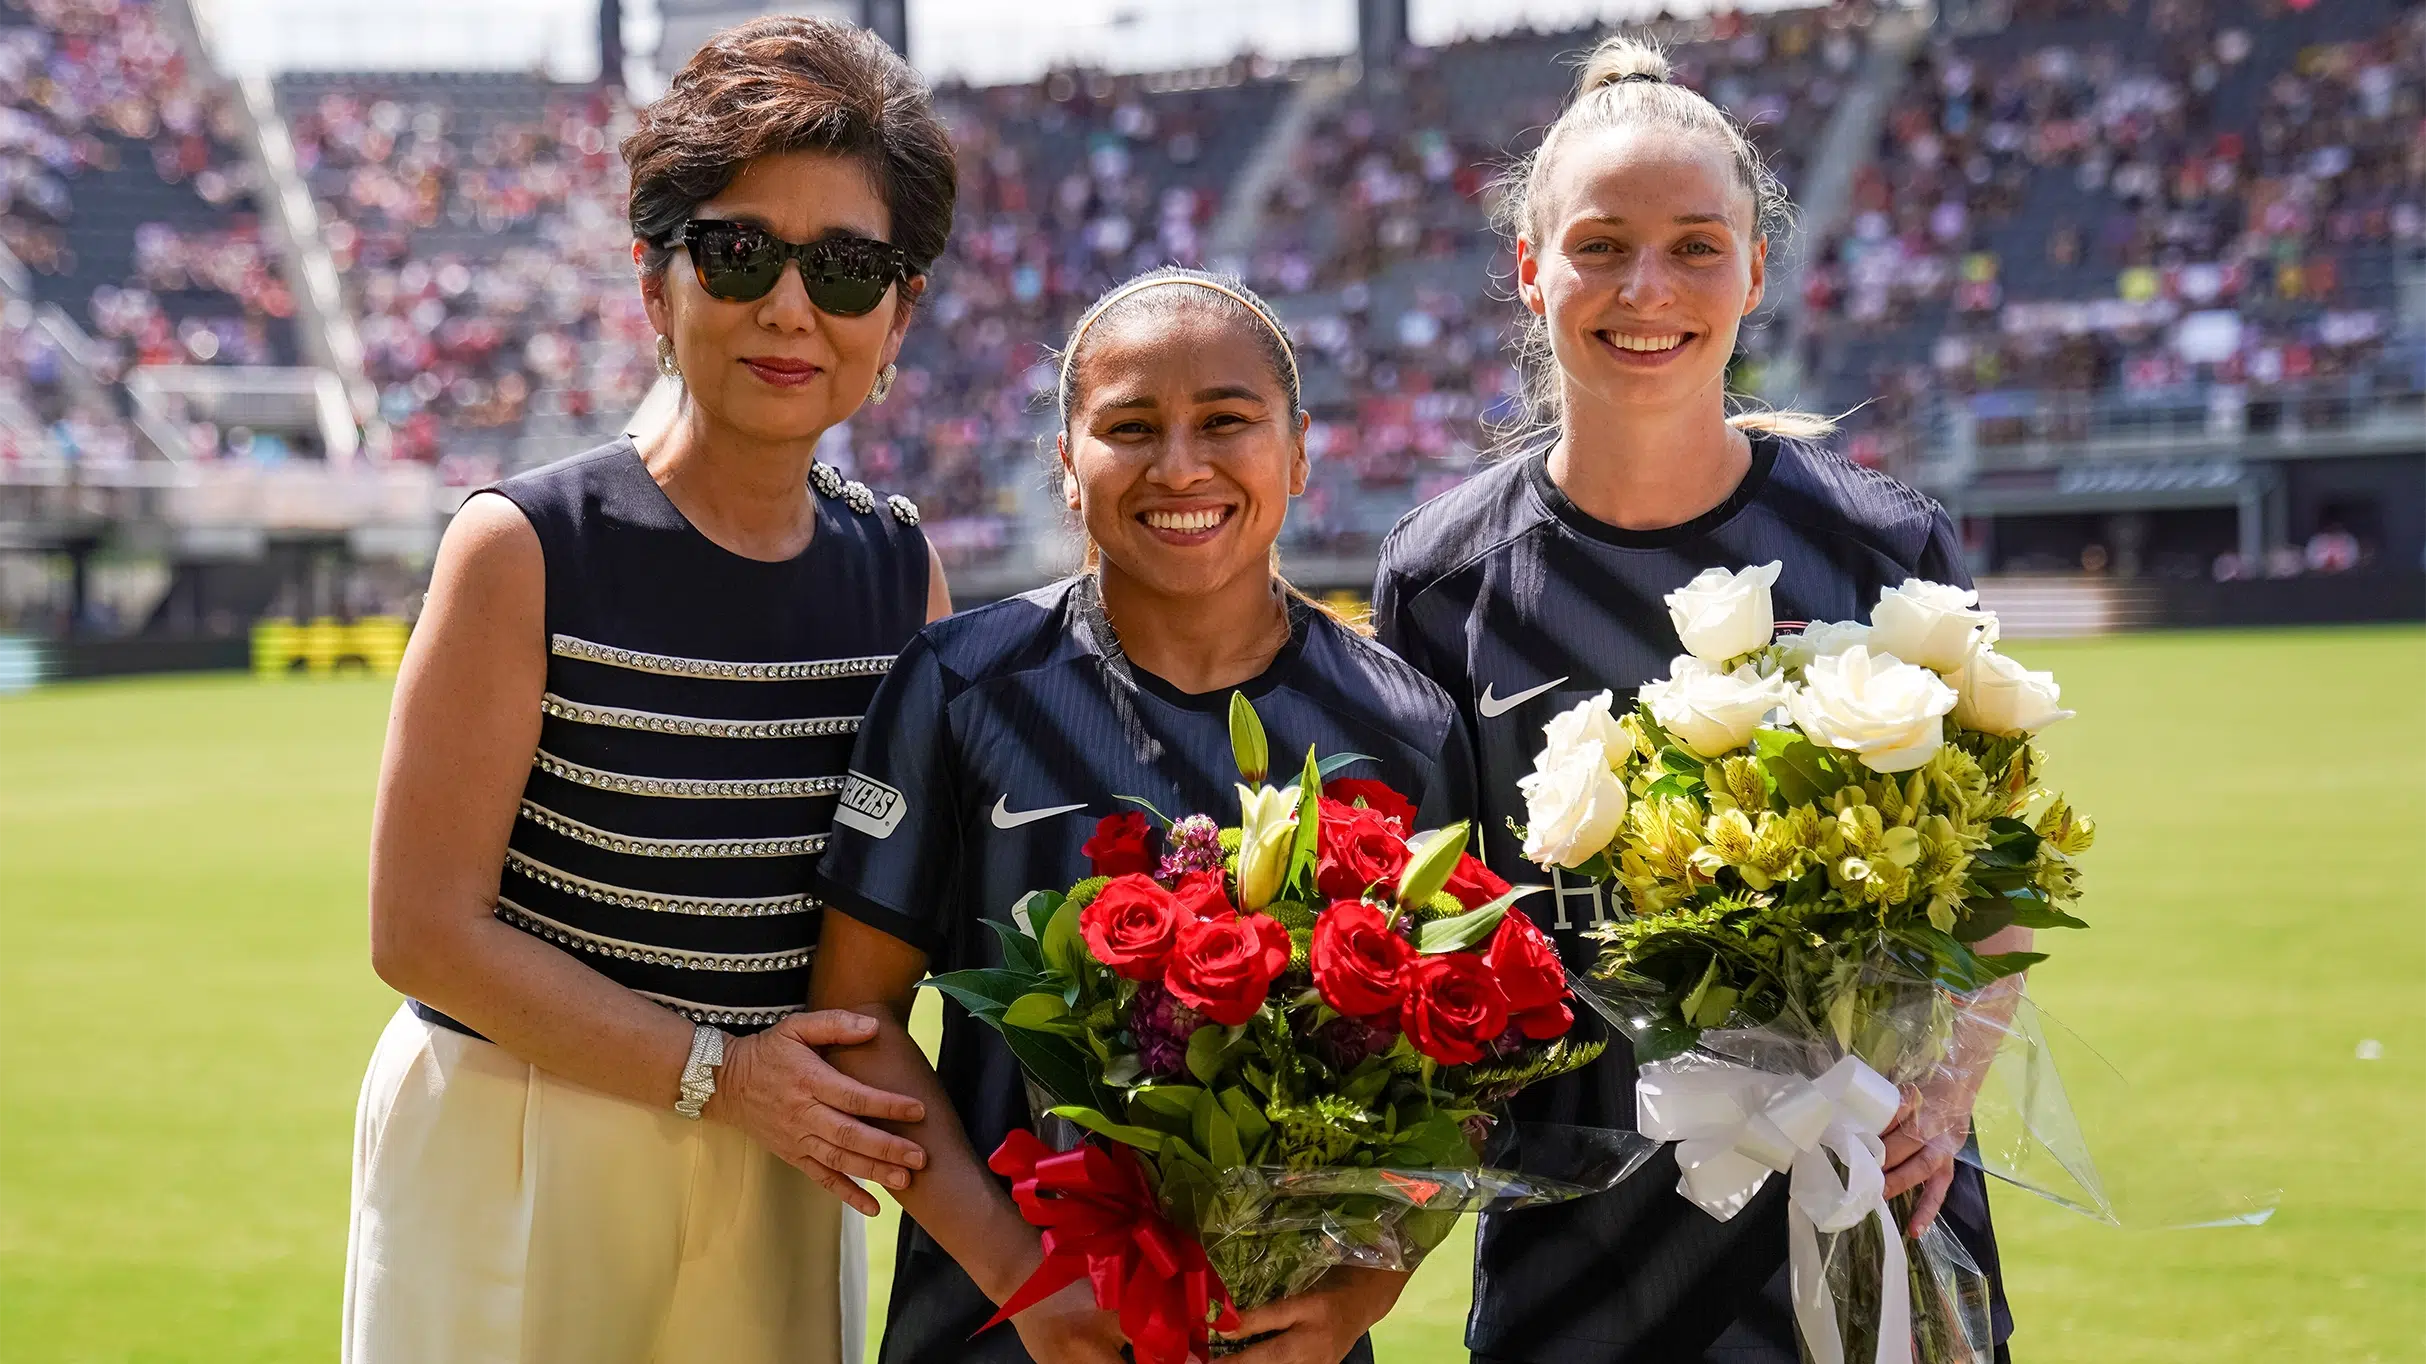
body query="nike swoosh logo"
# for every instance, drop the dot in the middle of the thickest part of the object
(1007, 818)
(1493, 707)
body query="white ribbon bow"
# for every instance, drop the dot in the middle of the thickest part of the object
(1734, 1126)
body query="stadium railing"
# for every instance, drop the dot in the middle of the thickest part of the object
(309, 403)
(2028, 428)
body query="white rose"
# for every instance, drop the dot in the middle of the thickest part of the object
(1929, 623)
(1824, 639)
(1887, 712)
(1711, 712)
(2000, 696)
(1721, 614)
(1587, 720)
(1573, 804)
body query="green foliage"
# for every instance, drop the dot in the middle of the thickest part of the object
(1491, 1081)
(1206, 1048)
(1248, 746)
(1337, 762)
(1323, 1130)
(1033, 911)
(1145, 1139)
(1020, 952)
(1060, 1068)
(1309, 829)
(1063, 948)
(1043, 1011)
(985, 992)
(1799, 771)
(1430, 860)
(1248, 1119)
(1461, 931)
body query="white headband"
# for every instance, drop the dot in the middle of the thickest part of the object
(1141, 285)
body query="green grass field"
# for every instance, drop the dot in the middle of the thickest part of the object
(185, 1008)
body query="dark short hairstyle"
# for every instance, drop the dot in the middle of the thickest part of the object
(785, 84)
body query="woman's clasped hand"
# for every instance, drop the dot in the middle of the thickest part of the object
(776, 1086)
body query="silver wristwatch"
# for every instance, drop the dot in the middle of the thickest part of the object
(699, 1072)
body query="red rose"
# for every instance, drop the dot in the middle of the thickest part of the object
(1360, 963)
(1221, 967)
(1201, 895)
(1474, 884)
(1530, 974)
(1355, 849)
(1454, 1010)
(1123, 845)
(1130, 926)
(1377, 796)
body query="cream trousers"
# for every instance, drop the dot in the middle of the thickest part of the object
(502, 1214)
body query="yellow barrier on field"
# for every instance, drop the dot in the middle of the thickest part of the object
(1354, 607)
(319, 648)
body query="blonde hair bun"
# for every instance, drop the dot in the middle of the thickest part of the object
(1620, 58)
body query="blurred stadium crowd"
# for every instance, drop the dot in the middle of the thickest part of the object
(2112, 217)
(2106, 215)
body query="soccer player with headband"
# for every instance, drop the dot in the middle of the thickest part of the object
(1004, 734)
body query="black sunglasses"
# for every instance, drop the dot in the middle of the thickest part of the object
(740, 263)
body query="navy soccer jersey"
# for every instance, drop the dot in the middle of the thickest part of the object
(999, 739)
(1519, 604)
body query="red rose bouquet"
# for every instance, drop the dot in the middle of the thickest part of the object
(1287, 1040)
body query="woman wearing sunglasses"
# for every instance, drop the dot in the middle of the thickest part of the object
(600, 1129)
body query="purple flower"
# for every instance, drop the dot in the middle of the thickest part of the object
(1161, 1025)
(1194, 844)
(1509, 1045)
(1346, 1043)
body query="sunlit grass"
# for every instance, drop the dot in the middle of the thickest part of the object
(185, 1009)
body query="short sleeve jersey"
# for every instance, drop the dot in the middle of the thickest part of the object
(998, 741)
(1519, 604)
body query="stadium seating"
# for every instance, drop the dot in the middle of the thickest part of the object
(126, 198)
(2048, 202)
(2078, 220)
(478, 221)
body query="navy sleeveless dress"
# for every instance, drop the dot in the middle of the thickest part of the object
(699, 717)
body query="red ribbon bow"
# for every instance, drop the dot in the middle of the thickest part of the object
(1101, 1223)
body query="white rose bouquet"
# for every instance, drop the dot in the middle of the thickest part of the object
(1812, 834)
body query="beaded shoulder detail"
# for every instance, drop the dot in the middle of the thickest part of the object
(904, 510)
(826, 479)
